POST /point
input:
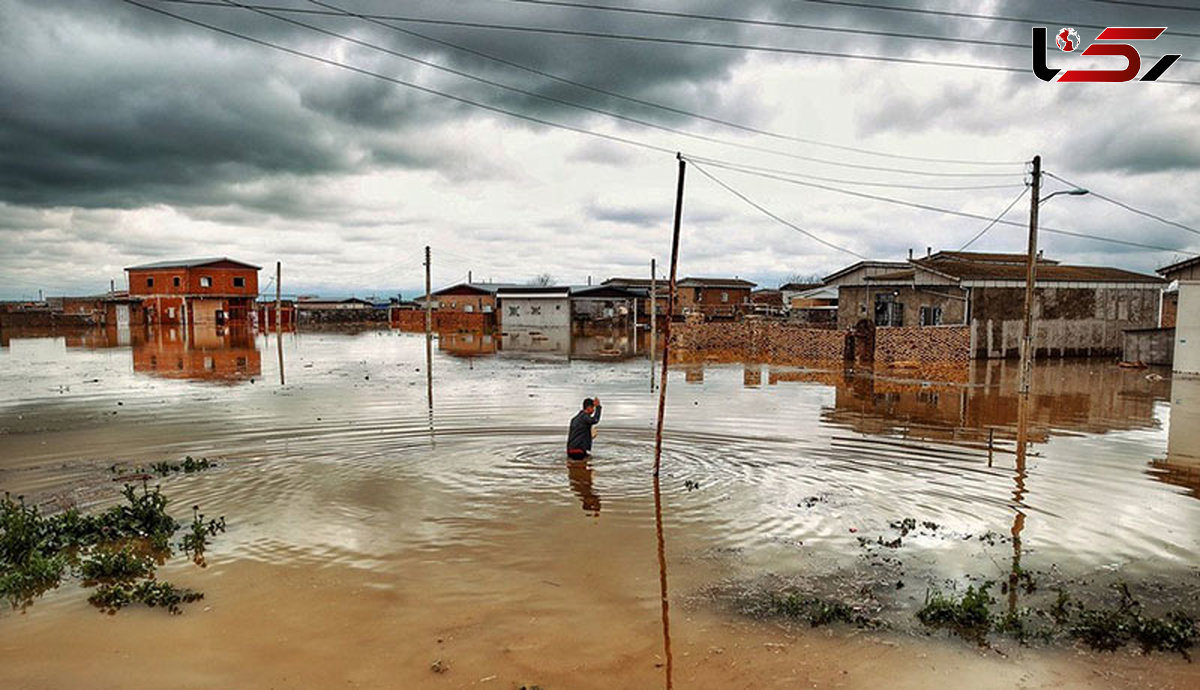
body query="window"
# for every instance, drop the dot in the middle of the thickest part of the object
(239, 281)
(175, 281)
(468, 308)
(514, 311)
(535, 311)
(931, 316)
(149, 282)
(205, 281)
(888, 312)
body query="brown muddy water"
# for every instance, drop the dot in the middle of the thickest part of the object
(385, 534)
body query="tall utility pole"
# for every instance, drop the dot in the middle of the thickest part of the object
(428, 302)
(279, 319)
(653, 321)
(278, 297)
(1027, 349)
(662, 390)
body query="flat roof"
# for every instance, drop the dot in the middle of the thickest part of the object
(191, 263)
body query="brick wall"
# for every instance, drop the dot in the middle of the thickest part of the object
(414, 320)
(766, 340)
(928, 344)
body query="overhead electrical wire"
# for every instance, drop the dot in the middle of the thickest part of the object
(399, 82)
(652, 104)
(1153, 5)
(488, 26)
(719, 163)
(771, 215)
(964, 214)
(600, 111)
(970, 15)
(1127, 207)
(784, 25)
(991, 224)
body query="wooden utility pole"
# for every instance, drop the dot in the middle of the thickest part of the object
(1027, 349)
(428, 338)
(653, 314)
(279, 319)
(662, 390)
(278, 298)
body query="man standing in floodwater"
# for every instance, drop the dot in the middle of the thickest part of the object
(583, 430)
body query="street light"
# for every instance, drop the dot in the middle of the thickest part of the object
(1078, 191)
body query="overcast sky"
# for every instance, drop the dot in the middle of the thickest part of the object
(127, 136)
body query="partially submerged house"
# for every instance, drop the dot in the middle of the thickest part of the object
(713, 297)
(604, 305)
(1078, 310)
(1186, 315)
(212, 290)
(534, 308)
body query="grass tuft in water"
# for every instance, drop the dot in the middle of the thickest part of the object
(115, 565)
(969, 615)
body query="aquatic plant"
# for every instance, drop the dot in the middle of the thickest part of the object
(111, 598)
(113, 547)
(815, 610)
(111, 565)
(196, 538)
(188, 466)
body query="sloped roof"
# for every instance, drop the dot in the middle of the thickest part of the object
(986, 257)
(977, 270)
(796, 287)
(479, 288)
(1179, 266)
(864, 264)
(191, 263)
(716, 282)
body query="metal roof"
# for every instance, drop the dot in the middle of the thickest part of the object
(191, 263)
(715, 282)
(975, 270)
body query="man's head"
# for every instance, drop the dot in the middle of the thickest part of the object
(589, 405)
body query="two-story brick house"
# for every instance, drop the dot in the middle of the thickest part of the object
(192, 291)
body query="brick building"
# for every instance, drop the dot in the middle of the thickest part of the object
(713, 297)
(213, 290)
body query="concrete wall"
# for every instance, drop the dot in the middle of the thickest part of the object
(534, 313)
(1187, 330)
(1068, 322)
(1150, 346)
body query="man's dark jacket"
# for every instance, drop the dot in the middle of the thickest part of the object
(580, 436)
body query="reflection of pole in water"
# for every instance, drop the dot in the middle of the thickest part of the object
(1018, 495)
(662, 578)
(428, 339)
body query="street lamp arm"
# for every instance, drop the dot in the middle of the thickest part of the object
(1078, 191)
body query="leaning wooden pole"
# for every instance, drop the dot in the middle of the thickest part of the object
(666, 334)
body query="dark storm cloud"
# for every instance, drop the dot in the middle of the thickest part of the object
(111, 105)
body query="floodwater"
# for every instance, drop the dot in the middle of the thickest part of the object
(382, 521)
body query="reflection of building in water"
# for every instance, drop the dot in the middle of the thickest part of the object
(580, 475)
(467, 344)
(559, 343)
(554, 343)
(1181, 466)
(1067, 396)
(199, 353)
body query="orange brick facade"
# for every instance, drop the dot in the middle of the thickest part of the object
(218, 291)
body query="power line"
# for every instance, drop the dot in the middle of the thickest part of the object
(1127, 207)
(718, 163)
(783, 25)
(767, 213)
(964, 214)
(1154, 5)
(399, 82)
(970, 15)
(600, 111)
(651, 104)
(681, 41)
(993, 222)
